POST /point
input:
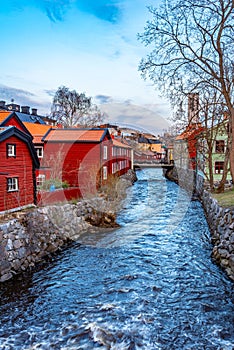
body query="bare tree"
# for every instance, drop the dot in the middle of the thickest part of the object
(212, 111)
(72, 109)
(193, 47)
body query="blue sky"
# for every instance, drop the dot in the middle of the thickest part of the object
(86, 45)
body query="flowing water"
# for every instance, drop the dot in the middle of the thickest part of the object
(151, 284)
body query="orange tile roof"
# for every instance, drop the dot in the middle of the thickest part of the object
(4, 115)
(37, 129)
(74, 135)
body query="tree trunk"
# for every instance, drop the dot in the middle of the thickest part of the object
(232, 144)
(210, 167)
(225, 171)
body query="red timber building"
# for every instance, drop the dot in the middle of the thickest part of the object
(32, 153)
(84, 158)
(17, 169)
(185, 152)
(38, 131)
(11, 119)
(79, 157)
(121, 158)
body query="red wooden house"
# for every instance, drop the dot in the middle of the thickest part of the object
(17, 169)
(38, 131)
(80, 157)
(11, 119)
(121, 158)
(185, 151)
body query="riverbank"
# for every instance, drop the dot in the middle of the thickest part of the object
(41, 232)
(219, 217)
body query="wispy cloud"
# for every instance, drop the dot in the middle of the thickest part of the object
(23, 98)
(109, 11)
(55, 9)
(135, 115)
(103, 99)
(7, 93)
(50, 93)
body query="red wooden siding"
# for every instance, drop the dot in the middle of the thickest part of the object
(120, 159)
(79, 163)
(20, 166)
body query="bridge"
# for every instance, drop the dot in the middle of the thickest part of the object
(138, 165)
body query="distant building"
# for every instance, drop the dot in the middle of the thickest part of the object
(185, 146)
(220, 133)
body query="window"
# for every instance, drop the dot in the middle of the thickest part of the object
(219, 146)
(40, 179)
(114, 151)
(114, 167)
(12, 184)
(39, 151)
(219, 167)
(11, 150)
(105, 173)
(104, 152)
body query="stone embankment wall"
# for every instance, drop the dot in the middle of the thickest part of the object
(31, 237)
(43, 231)
(220, 220)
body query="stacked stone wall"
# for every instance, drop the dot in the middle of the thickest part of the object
(220, 220)
(221, 223)
(29, 239)
(40, 233)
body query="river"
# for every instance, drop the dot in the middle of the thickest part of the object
(150, 284)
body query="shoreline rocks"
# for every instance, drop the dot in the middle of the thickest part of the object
(220, 220)
(221, 223)
(34, 236)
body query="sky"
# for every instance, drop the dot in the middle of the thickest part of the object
(90, 46)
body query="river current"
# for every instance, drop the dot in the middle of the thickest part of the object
(150, 284)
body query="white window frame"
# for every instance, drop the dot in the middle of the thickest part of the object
(39, 150)
(218, 169)
(12, 184)
(114, 167)
(104, 152)
(40, 179)
(11, 150)
(105, 173)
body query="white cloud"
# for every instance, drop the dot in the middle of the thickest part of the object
(145, 118)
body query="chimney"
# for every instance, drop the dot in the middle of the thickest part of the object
(13, 107)
(193, 108)
(34, 111)
(2, 104)
(25, 109)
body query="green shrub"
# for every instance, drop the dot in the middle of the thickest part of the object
(57, 183)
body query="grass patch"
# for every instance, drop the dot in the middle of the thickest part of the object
(225, 199)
